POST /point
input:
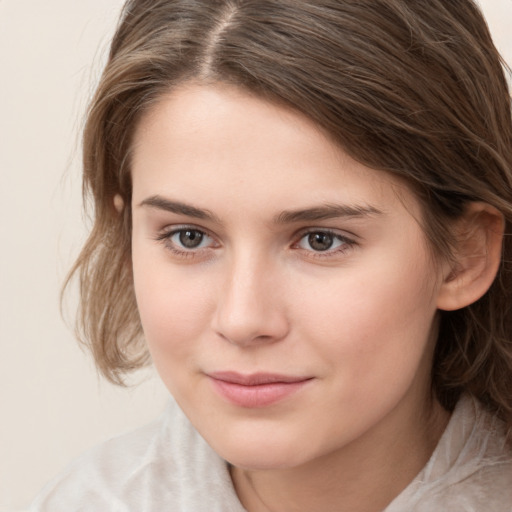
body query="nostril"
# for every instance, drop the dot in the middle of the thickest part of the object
(251, 330)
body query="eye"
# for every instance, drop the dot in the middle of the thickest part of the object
(189, 238)
(186, 241)
(324, 241)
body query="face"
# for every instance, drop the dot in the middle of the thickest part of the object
(286, 291)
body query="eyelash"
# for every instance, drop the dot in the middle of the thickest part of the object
(346, 243)
(166, 239)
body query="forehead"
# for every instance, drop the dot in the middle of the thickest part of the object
(224, 146)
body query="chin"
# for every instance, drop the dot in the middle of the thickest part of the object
(258, 460)
(259, 450)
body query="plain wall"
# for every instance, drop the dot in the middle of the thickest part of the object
(52, 404)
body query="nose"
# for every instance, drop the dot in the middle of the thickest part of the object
(250, 310)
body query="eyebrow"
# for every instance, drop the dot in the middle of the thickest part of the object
(324, 212)
(178, 207)
(315, 213)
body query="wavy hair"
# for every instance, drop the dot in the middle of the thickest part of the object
(411, 87)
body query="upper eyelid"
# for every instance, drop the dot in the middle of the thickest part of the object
(334, 234)
(176, 228)
(172, 229)
(347, 243)
(165, 235)
(342, 233)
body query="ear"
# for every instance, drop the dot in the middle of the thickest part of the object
(479, 236)
(118, 203)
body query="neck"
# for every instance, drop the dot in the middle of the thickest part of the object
(364, 476)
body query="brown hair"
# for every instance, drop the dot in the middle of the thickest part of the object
(411, 87)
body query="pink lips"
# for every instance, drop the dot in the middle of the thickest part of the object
(256, 390)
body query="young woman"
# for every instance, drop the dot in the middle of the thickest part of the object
(302, 218)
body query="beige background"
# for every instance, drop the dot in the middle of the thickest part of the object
(52, 404)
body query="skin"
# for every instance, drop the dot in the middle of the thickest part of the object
(358, 319)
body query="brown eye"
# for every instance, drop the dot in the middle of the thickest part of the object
(325, 241)
(320, 241)
(190, 238)
(187, 242)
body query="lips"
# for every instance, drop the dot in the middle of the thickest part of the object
(256, 390)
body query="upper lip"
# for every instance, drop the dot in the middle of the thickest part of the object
(255, 379)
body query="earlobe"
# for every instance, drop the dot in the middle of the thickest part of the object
(479, 237)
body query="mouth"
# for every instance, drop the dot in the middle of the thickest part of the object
(256, 390)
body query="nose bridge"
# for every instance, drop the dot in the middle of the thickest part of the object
(250, 309)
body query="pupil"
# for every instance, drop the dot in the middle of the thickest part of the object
(320, 241)
(191, 239)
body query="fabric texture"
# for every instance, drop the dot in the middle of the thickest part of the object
(167, 466)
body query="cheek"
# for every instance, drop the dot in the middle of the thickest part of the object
(372, 333)
(373, 325)
(174, 310)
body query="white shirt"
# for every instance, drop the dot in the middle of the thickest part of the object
(167, 466)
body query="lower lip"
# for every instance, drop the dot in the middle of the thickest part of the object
(261, 395)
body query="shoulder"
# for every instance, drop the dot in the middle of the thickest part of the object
(165, 465)
(488, 488)
(481, 471)
(91, 481)
(481, 476)
(469, 471)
